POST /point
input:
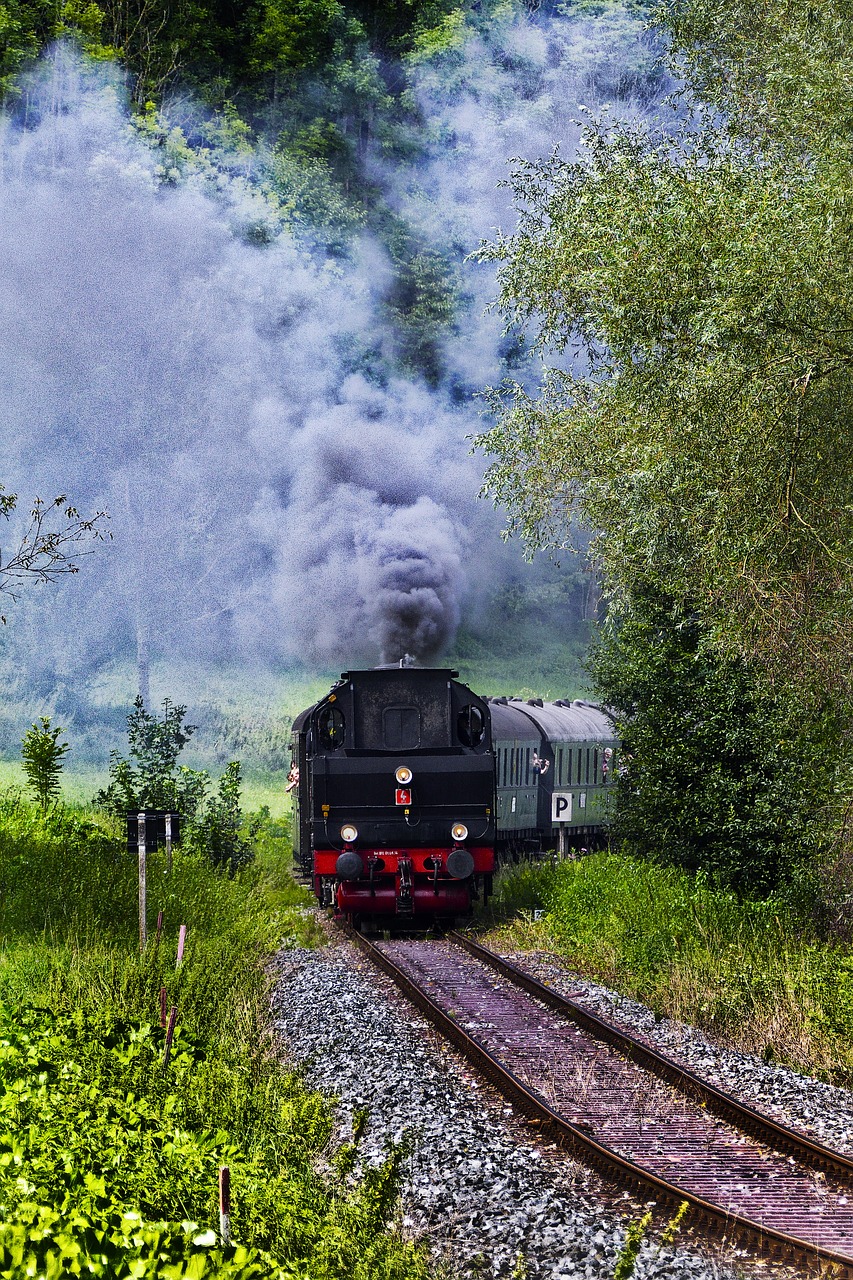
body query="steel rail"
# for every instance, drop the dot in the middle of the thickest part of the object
(715, 1219)
(763, 1128)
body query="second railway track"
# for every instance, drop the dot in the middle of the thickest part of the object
(637, 1117)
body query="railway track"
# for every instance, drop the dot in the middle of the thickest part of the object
(634, 1115)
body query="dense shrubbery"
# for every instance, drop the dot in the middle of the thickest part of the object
(108, 1158)
(722, 773)
(104, 1143)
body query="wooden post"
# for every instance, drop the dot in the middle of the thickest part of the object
(182, 937)
(158, 932)
(163, 999)
(170, 1031)
(225, 1204)
(168, 844)
(143, 922)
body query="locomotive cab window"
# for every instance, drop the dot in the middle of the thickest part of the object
(401, 728)
(470, 726)
(330, 728)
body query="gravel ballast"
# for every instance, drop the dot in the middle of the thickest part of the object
(819, 1110)
(478, 1188)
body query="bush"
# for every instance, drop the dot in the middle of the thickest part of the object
(720, 773)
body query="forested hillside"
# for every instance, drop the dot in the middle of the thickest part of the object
(248, 327)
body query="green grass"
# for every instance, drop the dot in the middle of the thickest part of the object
(752, 973)
(109, 1158)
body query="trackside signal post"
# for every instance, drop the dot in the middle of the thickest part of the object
(147, 831)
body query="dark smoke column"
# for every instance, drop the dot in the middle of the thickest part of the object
(412, 582)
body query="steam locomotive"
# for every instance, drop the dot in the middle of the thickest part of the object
(407, 786)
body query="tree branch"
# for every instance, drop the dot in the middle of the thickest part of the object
(50, 545)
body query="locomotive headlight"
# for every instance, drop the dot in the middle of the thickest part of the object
(459, 832)
(403, 775)
(349, 833)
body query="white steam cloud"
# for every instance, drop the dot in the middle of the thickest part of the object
(272, 495)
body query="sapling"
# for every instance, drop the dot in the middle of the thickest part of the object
(42, 755)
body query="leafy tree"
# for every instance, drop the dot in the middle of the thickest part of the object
(780, 70)
(25, 27)
(153, 779)
(223, 820)
(422, 302)
(294, 35)
(690, 291)
(42, 758)
(709, 439)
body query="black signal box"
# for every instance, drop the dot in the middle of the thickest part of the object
(155, 830)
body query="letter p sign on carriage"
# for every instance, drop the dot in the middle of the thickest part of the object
(561, 806)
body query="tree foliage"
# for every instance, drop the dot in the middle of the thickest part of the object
(780, 70)
(688, 285)
(42, 759)
(715, 777)
(255, 51)
(707, 438)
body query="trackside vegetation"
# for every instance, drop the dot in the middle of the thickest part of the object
(693, 258)
(756, 974)
(109, 1156)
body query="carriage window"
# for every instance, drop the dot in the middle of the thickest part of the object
(470, 726)
(330, 728)
(401, 728)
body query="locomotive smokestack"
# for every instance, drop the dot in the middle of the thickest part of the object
(405, 663)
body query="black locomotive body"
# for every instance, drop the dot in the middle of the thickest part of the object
(394, 781)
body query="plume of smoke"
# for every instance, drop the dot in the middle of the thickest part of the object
(276, 491)
(411, 578)
(262, 492)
